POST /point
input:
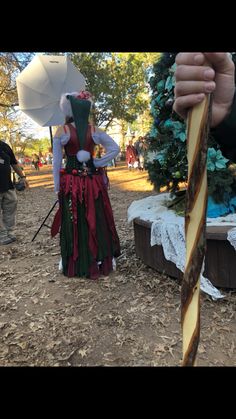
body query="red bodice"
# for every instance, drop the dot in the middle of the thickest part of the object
(73, 145)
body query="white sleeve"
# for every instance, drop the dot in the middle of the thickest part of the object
(57, 162)
(110, 146)
(58, 143)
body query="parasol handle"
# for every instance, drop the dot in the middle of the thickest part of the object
(51, 137)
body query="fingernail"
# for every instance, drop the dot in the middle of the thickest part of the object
(208, 74)
(200, 97)
(198, 59)
(210, 87)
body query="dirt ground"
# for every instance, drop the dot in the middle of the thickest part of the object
(131, 318)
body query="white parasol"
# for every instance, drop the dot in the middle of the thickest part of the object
(41, 84)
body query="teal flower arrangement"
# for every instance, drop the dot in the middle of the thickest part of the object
(215, 160)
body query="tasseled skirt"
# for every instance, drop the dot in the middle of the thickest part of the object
(88, 237)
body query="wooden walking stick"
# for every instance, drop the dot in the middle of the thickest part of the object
(195, 228)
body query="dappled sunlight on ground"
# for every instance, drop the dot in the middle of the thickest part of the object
(42, 177)
(130, 180)
(120, 176)
(46, 183)
(124, 179)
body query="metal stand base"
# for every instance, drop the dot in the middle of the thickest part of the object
(43, 223)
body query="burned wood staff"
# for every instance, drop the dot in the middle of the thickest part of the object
(195, 227)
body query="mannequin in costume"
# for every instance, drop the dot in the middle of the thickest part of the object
(88, 236)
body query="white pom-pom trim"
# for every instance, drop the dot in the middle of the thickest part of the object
(83, 156)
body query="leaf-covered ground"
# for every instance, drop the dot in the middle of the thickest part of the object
(131, 318)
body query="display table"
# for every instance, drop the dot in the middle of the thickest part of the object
(220, 262)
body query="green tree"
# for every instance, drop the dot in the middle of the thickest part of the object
(167, 160)
(118, 82)
(36, 146)
(12, 129)
(11, 64)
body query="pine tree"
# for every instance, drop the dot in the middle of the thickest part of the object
(167, 161)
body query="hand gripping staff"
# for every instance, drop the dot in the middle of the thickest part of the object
(195, 227)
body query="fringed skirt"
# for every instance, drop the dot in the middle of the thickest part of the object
(88, 237)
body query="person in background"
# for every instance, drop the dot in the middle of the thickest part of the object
(131, 156)
(141, 147)
(36, 162)
(8, 196)
(88, 237)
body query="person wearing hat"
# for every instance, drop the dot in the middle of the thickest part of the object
(88, 238)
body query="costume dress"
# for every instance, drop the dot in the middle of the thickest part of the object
(88, 236)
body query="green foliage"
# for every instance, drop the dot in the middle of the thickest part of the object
(220, 184)
(168, 134)
(118, 82)
(10, 66)
(215, 160)
(167, 160)
(36, 146)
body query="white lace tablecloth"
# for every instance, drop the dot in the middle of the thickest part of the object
(167, 230)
